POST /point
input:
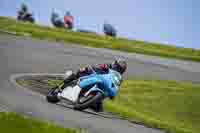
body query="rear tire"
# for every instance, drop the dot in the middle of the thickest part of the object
(86, 104)
(52, 96)
(31, 20)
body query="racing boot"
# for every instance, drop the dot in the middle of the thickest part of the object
(98, 107)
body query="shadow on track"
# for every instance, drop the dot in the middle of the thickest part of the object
(88, 111)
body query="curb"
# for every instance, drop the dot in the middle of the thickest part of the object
(8, 32)
(15, 33)
(16, 76)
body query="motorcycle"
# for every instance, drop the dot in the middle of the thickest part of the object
(87, 90)
(26, 17)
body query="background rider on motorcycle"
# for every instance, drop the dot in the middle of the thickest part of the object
(24, 10)
(68, 20)
(24, 14)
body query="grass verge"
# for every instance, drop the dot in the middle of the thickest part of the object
(92, 40)
(13, 123)
(168, 105)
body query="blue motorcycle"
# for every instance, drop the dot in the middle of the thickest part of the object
(87, 90)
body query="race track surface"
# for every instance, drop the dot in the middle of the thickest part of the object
(23, 55)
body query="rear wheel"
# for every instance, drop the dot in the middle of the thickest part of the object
(31, 20)
(52, 96)
(86, 102)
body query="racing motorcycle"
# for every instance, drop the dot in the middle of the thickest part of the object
(87, 90)
(26, 17)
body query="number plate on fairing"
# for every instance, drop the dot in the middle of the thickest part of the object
(71, 93)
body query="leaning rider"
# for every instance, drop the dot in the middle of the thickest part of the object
(119, 65)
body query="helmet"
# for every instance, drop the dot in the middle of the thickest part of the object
(24, 7)
(119, 65)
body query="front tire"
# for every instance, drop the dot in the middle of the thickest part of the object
(31, 20)
(88, 102)
(52, 96)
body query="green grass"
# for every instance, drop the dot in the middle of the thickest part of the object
(13, 123)
(92, 40)
(54, 83)
(168, 105)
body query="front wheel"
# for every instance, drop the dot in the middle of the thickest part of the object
(31, 20)
(86, 102)
(52, 96)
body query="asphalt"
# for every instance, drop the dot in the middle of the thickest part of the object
(25, 55)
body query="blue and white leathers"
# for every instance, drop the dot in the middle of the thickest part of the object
(107, 84)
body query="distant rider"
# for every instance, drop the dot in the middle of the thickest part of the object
(68, 20)
(56, 20)
(23, 11)
(109, 30)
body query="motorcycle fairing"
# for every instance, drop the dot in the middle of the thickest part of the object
(107, 84)
(71, 93)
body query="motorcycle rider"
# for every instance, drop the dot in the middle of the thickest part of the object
(24, 14)
(68, 20)
(56, 20)
(24, 10)
(118, 65)
(109, 30)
